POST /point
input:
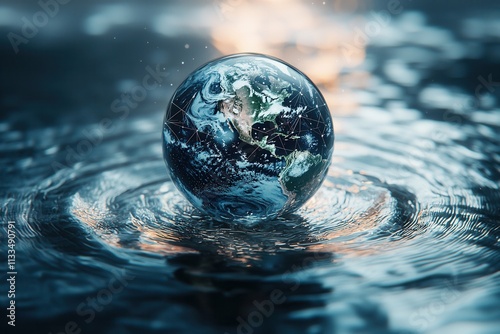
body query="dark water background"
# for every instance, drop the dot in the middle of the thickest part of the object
(403, 237)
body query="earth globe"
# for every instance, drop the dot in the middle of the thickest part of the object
(247, 138)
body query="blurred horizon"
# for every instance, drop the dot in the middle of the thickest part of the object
(326, 39)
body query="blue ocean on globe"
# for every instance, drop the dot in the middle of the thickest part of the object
(247, 138)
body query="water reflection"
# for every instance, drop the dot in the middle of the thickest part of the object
(403, 237)
(267, 289)
(259, 296)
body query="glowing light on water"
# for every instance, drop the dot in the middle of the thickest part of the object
(309, 37)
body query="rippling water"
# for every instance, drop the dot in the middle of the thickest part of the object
(403, 236)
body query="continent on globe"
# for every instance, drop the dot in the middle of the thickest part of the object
(247, 137)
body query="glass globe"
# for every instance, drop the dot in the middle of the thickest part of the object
(247, 137)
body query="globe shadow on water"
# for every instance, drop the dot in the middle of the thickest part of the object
(250, 279)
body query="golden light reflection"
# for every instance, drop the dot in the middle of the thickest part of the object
(93, 215)
(97, 217)
(302, 33)
(157, 240)
(365, 221)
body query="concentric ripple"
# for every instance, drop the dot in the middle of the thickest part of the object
(403, 219)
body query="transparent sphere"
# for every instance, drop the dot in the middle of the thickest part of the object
(247, 137)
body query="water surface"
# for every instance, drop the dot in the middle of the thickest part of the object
(403, 236)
